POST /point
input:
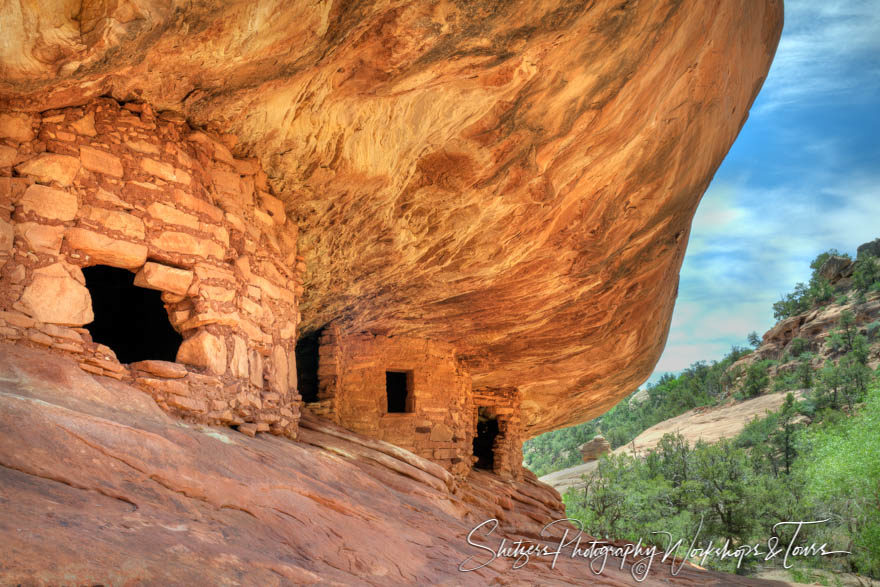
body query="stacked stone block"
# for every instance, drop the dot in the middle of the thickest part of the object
(352, 392)
(111, 184)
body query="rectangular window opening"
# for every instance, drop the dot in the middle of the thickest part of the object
(398, 390)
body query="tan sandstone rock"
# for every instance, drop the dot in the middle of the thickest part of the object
(16, 126)
(171, 215)
(50, 203)
(278, 381)
(204, 350)
(592, 450)
(50, 167)
(164, 278)
(7, 236)
(41, 238)
(187, 244)
(165, 171)
(273, 207)
(54, 296)
(123, 222)
(100, 161)
(106, 250)
(161, 368)
(85, 125)
(239, 363)
(8, 156)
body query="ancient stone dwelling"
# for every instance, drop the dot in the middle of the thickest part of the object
(127, 238)
(414, 393)
(147, 251)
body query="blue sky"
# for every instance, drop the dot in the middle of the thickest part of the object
(803, 177)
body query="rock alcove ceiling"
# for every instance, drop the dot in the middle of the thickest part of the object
(515, 178)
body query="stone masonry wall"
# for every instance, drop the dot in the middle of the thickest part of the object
(352, 392)
(105, 184)
(503, 404)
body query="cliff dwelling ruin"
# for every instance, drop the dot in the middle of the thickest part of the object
(152, 255)
(386, 241)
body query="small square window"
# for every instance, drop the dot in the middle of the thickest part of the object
(398, 390)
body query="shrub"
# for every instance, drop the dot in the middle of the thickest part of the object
(804, 296)
(798, 346)
(756, 380)
(804, 371)
(785, 382)
(844, 480)
(754, 339)
(866, 273)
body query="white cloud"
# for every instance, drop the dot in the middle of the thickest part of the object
(808, 182)
(828, 49)
(748, 247)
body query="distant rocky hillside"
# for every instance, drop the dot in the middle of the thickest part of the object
(709, 424)
(812, 330)
(818, 324)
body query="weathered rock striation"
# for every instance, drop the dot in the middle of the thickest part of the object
(514, 179)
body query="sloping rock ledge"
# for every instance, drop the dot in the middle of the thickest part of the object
(97, 485)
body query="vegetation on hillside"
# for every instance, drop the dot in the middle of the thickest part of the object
(701, 384)
(800, 463)
(708, 383)
(817, 458)
(865, 277)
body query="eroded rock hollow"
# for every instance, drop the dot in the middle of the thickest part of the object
(516, 179)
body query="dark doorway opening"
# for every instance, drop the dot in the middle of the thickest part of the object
(130, 320)
(307, 360)
(398, 389)
(484, 441)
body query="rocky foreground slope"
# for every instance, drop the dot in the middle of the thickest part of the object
(515, 178)
(94, 473)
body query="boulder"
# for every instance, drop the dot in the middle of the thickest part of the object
(591, 451)
(105, 250)
(204, 350)
(871, 248)
(834, 268)
(54, 296)
(164, 278)
(50, 167)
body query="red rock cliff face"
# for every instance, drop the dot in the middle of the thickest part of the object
(515, 178)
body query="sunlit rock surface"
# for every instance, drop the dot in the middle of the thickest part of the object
(516, 178)
(99, 486)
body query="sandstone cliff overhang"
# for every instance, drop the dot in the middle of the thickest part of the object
(517, 179)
